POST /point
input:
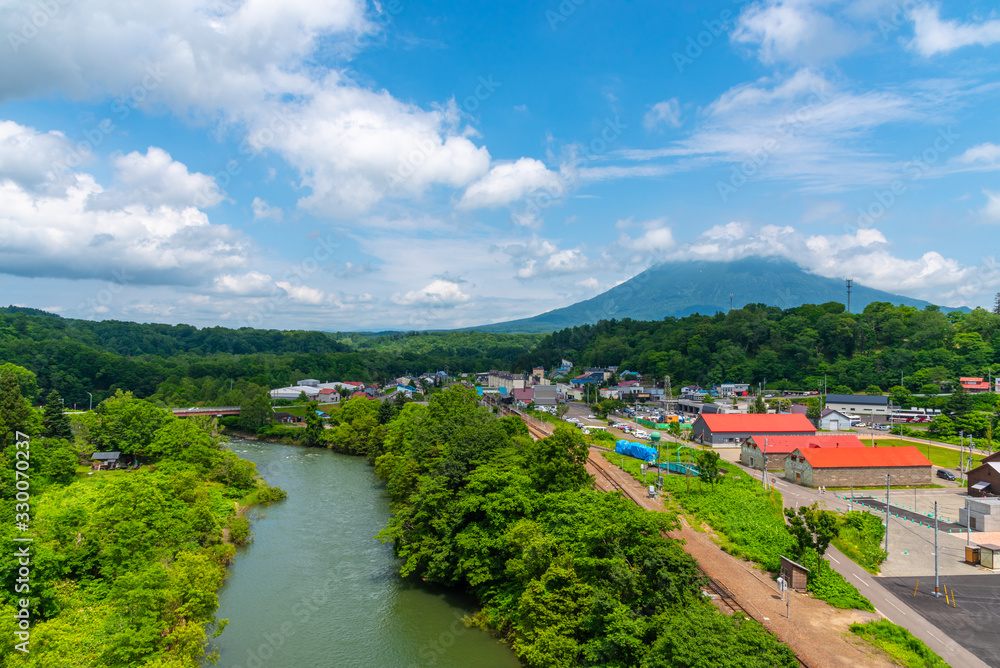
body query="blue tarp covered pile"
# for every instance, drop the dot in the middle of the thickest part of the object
(637, 450)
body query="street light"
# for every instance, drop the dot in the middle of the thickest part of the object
(91, 401)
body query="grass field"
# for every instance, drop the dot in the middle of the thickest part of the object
(300, 411)
(945, 458)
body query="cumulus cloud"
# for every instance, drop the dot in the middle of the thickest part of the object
(156, 179)
(150, 236)
(864, 255)
(438, 293)
(542, 257)
(932, 36)
(27, 156)
(264, 211)
(982, 154)
(509, 182)
(250, 284)
(302, 294)
(793, 31)
(663, 113)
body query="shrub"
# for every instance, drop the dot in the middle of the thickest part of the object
(899, 644)
(239, 530)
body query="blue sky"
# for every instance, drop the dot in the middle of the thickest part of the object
(349, 165)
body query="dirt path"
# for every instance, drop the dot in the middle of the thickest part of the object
(816, 632)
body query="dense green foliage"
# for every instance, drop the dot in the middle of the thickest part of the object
(860, 538)
(797, 345)
(125, 564)
(569, 575)
(899, 643)
(180, 365)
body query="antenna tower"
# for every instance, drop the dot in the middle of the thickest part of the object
(850, 285)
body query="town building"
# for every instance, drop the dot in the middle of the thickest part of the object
(776, 448)
(591, 378)
(985, 478)
(328, 395)
(974, 385)
(506, 379)
(286, 418)
(734, 428)
(733, 389)
(980, 514)
(832, 420)
(859, 404)
(858, 467)
(545, 395)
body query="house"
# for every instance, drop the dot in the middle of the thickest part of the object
(105, 460)
(286, 418)
(985, 479)
(506, 379)
(734, 428)
(524, 396)
(832, 420)
(591, 378)
(328, 395)
(974, 385)
(858, 404)
(605, 373)
(858, 467)
(355, 385)
(538, 376)
(754, 450)
(359, 394)
(407, 390)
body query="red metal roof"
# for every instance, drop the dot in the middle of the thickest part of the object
(783, 423)
(839, 458)
(778, 445)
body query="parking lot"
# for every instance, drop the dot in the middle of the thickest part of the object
(973, 622)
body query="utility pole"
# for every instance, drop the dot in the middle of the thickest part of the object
(850, 284)
(961, 448)
(936, 580)
(763, 465)
(887, 515)
(730, 301)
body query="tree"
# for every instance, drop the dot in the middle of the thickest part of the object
(125, 424)
(813, 411)
(960, 402)
(558, 461)
(16, 413)
(314, 423)
(930, 389)
(255, 410)
(996, 304)
(708, 465)
(813, 529)
(900, 396)
(873, 391)
(708, 399)
(758, 406)
(55, 423)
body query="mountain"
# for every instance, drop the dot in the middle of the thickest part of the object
(682, 288)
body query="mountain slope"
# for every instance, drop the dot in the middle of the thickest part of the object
(682, 288)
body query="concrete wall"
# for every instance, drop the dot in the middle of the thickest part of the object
(804, 474)
(984, 514)
(732, 438)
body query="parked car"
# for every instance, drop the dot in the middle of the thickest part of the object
(947, 475)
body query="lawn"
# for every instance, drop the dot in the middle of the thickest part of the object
(945, 458)
(300, 411)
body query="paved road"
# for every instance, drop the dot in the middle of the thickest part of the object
(892, 608)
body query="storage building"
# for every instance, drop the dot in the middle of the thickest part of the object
(858, 467)
(734, 428)
(859, 404)
(779, 447)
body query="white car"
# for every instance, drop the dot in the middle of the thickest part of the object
(591, 417)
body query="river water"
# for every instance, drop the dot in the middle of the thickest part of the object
(315, 589)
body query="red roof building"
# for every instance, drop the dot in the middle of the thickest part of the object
(974, 384)
(858, 467)
(734, 428)
(754, 450)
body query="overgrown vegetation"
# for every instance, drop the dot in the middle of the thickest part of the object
(568, 575)
(899, 644)
(751, 524)
(124, 565)
(860, 539)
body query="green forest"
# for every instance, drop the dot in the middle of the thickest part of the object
(123, 565)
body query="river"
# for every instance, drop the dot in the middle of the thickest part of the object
(315, 589)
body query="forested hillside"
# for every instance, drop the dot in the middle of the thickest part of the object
(929, 348)
(182, 365)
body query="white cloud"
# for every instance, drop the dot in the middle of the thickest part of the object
(156, 179)
(665, 113)
(148, 237)
(541, 257)
(302, 294)
(250, 284)
(510, 182)
(863, 255)
(27, 156)
(991, 212)
(438, 293)
(986, 153)
(793, 31)
(264, 211)
(932, 36)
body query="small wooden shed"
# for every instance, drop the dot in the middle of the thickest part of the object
(795, 574)
(989, 556)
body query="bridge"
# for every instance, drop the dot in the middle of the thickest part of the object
(214, 411)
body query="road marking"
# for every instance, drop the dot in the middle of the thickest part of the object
(832, 559)
(940, 641)
(858, 578)
(895, 606)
